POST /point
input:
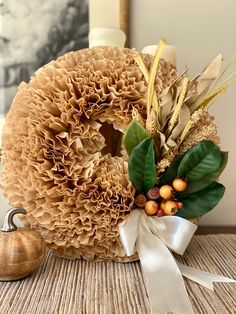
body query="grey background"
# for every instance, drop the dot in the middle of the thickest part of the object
(32, 33)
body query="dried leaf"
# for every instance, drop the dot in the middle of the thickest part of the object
(209, 75)
(184, 118)
(166, 104)
(187, 128)
(142, 66)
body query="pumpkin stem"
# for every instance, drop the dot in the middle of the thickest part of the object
(8, 224)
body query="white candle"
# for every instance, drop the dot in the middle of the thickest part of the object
(105, 36)
(104, 13)
(105, 23)
(169, 52)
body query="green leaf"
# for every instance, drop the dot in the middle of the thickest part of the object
(201, 202)
(224, 161)
(134, 134)
(203, 159)
(171, 172)
(196, 185)
(141, 165)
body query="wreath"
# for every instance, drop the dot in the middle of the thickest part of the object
(101, 131)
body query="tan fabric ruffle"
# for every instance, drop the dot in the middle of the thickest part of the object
(53, 164)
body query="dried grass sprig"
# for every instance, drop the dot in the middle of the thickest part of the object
(212, 97)
(152, 124)
(224, 71)
(153, 71)
(228, 79)
(177, 109)
(143, 68)
(136, 115)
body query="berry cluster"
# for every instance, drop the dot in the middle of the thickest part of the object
(161, 201)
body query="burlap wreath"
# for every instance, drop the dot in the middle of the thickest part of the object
(63, 160)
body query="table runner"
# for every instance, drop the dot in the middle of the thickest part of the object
(81, 287)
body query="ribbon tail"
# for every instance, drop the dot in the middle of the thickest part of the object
(204, 278)
(128, 230)
(165, 284)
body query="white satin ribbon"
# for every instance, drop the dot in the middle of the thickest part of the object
(153, 238)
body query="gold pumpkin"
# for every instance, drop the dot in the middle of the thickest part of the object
(21, 250)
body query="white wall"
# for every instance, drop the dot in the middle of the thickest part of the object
(200, 29)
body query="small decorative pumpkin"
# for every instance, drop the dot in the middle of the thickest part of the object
(21, 250)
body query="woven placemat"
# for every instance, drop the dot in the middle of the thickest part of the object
(66, 286)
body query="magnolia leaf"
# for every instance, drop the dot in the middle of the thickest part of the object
(201, 202)
(134, 134)
(203, 159)
(196, 185)
(141, 165)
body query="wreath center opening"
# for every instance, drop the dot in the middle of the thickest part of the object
(113, 139)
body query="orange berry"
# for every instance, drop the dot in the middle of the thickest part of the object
(166, 192)
(153, 193)
(151, 208)
(160, 213)
(180, 204)
(140, 200)
(179, 184)
(170, 208)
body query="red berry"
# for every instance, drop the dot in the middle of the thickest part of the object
(180, 204)
(153, 193)
(160, 213)
(140, 200)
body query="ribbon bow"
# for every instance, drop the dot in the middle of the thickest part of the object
(154, 238)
